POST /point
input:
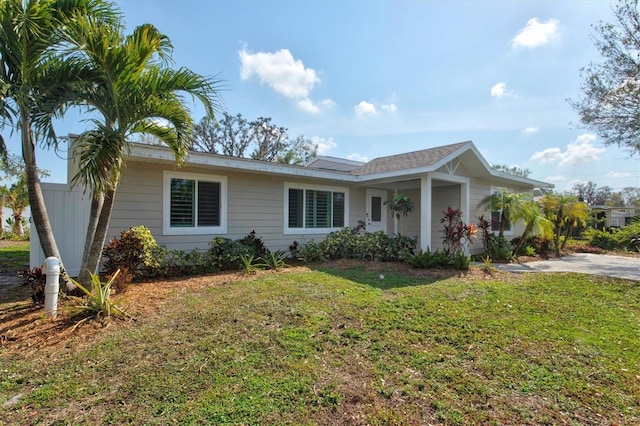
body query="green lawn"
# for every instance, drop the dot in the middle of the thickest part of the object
(14, 255)
(349, 347)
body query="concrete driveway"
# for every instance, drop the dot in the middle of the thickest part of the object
(585, 263)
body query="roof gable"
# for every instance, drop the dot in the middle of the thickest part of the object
(409, 160)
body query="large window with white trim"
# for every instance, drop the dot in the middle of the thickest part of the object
(315, 209)
(194, 204)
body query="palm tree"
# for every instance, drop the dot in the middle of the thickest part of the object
(17, 199)
(504, 202)
(565, 212)
(535, 222)
(134, 92)
(401, 206)
(31, 34)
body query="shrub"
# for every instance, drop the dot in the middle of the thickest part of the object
(258, 249)
(36, 279)
(427, 259)
(225, 254)
(350, 243)
(602, 239)
(529, 251)
(274, 260)
(133, 254)
(499, 248)
(455, 233)
(460, 261)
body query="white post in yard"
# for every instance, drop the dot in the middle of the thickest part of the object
(52, 286)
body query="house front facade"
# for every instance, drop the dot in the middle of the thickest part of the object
(215, 195)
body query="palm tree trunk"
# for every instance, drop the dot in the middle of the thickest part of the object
(36, 199)
(97, 201)
(567, 235)
(17, 225)
(95, 252)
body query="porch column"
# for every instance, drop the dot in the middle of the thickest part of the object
(425, 212)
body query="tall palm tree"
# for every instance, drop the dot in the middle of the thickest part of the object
(135, 92)
(31, 34)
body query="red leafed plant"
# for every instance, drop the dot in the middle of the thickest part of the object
(456, 233)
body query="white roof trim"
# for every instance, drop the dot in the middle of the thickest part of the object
(158, 153)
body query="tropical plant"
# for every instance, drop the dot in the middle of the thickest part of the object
(502, 201)
(401, 206)
(564, 212)
(36, 85)
(16, 198)
(135, 92)
(535, 222)
(250, 265)
(97, 303)
(274, 260)
(460, 261)
(455, 234)
(426, 259)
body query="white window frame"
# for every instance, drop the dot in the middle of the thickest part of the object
(304, 187)
(196, 230)
(497, 231)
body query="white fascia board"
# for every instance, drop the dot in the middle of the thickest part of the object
(150, 153)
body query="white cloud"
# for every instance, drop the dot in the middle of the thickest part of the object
(577, 152)
(499, 90)
(284, 74)
(549, 155)
(328, 103)
(364, 108)
(324, 145)
(536, 33)
(616, 175)
(556, 178)
(581, 150)
(389, 107)
(307, 105)
(530, 130)
(357, 157)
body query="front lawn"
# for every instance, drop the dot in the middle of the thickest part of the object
(14, 255)
(352, 344)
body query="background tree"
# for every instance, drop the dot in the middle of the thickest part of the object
(269, 140)
(611, 89)
(591, 194)
(135, 92)
(259, 139)
(35, 85)
(300, 151)
(513, 170)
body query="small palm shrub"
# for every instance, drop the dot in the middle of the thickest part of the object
(96, 303)
(529, 251)
(274, 260)
(250, 265)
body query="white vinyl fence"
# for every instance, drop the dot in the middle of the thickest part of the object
(68, 212)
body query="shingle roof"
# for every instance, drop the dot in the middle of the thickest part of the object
(409, 160)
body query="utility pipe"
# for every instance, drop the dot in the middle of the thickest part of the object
(52, 286)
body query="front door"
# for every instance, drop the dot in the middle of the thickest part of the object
(376, 210)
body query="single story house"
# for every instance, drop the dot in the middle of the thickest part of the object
(615, 217)
(214, 195)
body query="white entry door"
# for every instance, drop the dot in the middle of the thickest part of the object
(376, 210)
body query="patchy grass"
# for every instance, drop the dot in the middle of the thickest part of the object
(346, 346)
(14, 255)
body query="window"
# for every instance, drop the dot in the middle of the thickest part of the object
(194, 204)
(496, 212)
(315, 209)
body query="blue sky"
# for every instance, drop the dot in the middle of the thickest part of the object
(372, 78)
